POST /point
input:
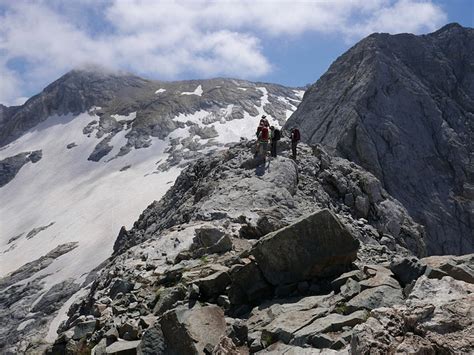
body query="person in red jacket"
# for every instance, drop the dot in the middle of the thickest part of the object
(263, 140)
(295, 138)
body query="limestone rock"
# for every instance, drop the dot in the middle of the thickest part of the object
(380, 296)
(314, 246)
(436, 318)
(190, 331)
(458, 267)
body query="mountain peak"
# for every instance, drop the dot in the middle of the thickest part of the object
(453, 27)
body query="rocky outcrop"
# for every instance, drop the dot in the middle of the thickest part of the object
(402, 107)
(436, 318)
(10, 166)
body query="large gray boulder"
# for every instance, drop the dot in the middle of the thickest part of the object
(315, 246)
(190, 331)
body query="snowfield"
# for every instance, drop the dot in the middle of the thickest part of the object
(87, 201)
(65, 198)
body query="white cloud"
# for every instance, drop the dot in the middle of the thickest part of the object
(168, 39)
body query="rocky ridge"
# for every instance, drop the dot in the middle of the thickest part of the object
(402, 107)
(201, 270)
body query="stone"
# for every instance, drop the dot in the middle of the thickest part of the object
(350, 289)
(167, 297)
(83, 329)
(100, 348)
(356, 275)
(437, 317)
(279, 348)
(153, 341)
(330, 323)
(248, 284)
(380, 296)
(190, 331)
(314, 246)
(129, 330)
(284, 326)
(458, 267)
(214, 284)
(120, 286)
(380, 276)
(407, 270)
(123, 347)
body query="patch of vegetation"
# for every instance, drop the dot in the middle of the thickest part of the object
(341, 308)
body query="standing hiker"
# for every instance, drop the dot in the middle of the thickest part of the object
(263, 139)
(295, 138)
(275, 136)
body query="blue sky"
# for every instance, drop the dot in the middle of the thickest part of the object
(287, 42)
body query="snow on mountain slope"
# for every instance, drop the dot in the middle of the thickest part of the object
(60, 215)
(87, 201)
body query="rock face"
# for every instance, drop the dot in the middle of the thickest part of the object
(402, 107)
(315, 246)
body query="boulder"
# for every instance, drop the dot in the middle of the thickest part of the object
(331, 323)
(83, 329)
(214, 284)
(248, 284)
(379, 276)
(356, 275)
(167, 297)
(372, 298)
(286, 324)
(315, 246)
(458, 267)
(153, 341)
(123, 347)
(209, 240)
(407, 270)
(190, 331)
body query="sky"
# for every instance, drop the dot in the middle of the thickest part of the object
(279, 41)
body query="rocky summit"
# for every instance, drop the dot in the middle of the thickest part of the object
(402, 106)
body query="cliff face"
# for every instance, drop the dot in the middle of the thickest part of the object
(402, 106)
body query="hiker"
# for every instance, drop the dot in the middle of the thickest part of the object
(263, 139)
(275, 136)
(295, 138)
(263, 123)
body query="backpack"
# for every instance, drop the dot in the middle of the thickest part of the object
(276, 135)
(296, 135)
(264, 134)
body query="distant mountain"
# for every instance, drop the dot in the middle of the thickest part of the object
(402, 106)
(84, 157)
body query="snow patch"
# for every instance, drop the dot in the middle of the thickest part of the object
(198, 91)
(89, 201)
(130, 117)
(62, 315)
(299, 93)
(159, 91)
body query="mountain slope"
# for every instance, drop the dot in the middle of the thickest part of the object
(90, 152)
(402, 106)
